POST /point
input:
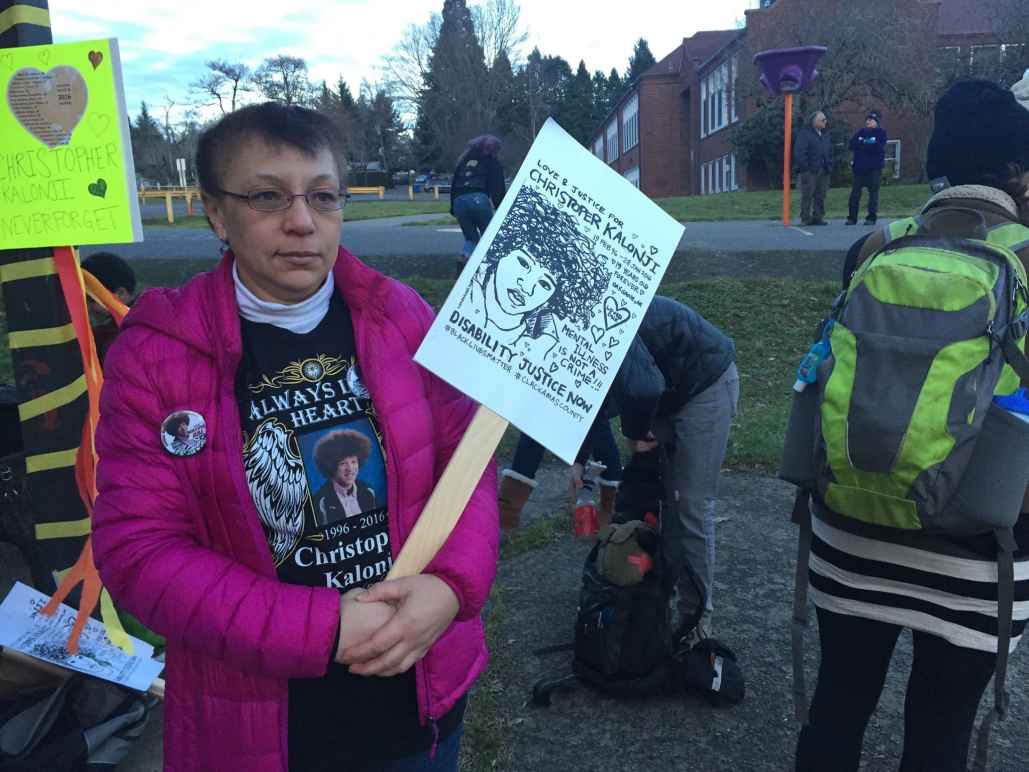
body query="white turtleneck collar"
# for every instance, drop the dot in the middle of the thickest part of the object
(299, 317)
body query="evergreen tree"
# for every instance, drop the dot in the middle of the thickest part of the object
(576, 109)
(502, 87)
(454, 104)
(150, 149)
(640, 61)
(615, 87)
(601, 104)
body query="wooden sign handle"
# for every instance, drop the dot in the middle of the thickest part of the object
(451, 494)
(156, 688)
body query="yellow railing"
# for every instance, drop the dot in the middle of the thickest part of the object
(168, 194)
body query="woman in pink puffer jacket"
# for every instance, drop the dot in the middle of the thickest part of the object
(279, 657)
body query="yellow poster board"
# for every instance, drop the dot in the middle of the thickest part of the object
(66, 171)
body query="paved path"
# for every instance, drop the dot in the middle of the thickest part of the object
(388, 237)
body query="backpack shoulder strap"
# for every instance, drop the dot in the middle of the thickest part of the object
(802, 517)
(1006, 547)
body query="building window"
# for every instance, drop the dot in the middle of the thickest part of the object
(714, 93)
(985, 59)
(598, 147)
(631, 124)
(719, 175)
(612, 140)
(703, 108)
(948, 62)
(633, 176)
(893, 159)
(734, 100)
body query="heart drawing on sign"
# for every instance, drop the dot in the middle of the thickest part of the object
(612, 342)
(95, 57)
(98, 188)
(48, 105)
(598, 333)
(613, 315)
(578, 384)
(99, 123)
(44, 56)
(554, 367)
(607, 356)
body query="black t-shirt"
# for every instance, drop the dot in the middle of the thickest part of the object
(315, 463)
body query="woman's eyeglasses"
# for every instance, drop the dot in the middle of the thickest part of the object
(324, 200)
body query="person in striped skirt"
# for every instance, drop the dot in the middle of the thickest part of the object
(869, 583)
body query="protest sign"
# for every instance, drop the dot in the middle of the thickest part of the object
(23, 628)
(66, 170)
(542, 316)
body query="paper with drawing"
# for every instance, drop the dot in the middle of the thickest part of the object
(541, 318)
(24, 629)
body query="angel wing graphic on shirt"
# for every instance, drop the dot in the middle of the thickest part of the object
(275, 472)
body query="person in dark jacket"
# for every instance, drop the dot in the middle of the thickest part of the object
(813, 157)
(678, 385)
(869, 148)
(476, 190)
(120, 280)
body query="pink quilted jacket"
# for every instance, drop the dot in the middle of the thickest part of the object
(179, 544)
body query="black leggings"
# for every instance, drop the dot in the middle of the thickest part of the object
(943, 694)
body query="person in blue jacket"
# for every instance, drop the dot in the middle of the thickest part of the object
(869, 148)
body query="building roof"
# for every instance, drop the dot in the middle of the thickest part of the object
(670, 65)
(704, 45)
(964, 17)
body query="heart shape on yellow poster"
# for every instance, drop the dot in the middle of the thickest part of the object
(49, 105)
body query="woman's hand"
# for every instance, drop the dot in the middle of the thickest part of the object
(425, 607)
(359, 621)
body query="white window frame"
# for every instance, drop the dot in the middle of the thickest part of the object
(727, 174)
(598, 147)
(631, 123)
(715, 100)
(633, 176)
(612, 140)
(896, 143)
(733, 97)
(732, 163)
(703, 108)
(992, 46)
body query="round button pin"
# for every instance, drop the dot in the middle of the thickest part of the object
(184, 433)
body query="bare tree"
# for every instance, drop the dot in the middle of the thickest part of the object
(406, 67)
(498, 27)
(283, 79)
(223, 84)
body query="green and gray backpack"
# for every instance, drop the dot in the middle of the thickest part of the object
(899, 428)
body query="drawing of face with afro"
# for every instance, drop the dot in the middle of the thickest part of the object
(541, 262)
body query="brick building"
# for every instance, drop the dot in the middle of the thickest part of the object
(669, 134)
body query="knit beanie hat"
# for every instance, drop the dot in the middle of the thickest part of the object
(873, 115)
(1021, 90)
(980, 129)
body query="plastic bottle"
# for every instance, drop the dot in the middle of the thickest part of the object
(584, 520)
(807, 370)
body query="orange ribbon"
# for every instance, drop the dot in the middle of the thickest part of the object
(74, 283)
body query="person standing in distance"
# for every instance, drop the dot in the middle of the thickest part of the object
(869, 148)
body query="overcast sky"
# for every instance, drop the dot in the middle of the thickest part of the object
(164, 43)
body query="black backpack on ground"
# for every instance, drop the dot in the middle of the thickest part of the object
(627, 634)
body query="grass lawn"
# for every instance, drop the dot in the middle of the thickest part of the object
(354, 211)
(894, 201)
(448, 220)
(771, 320)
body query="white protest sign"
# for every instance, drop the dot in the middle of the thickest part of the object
(543, 314)
(24, 629)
